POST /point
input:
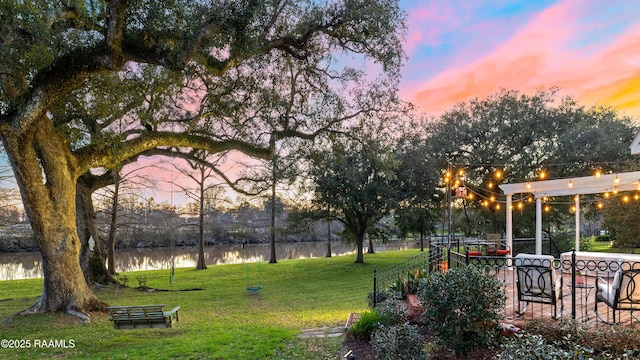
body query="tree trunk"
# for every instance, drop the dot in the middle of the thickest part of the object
(91, 262)
(43, 168)
(360, 252)
(328, 239)
(202, 264)
(371, 250)
(272, 227)
(113, 227)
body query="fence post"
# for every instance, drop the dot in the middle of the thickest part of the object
(573, 284)
(375, 285)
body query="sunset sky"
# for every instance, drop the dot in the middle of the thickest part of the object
(459, 50)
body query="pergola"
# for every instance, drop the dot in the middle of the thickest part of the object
(565, 187)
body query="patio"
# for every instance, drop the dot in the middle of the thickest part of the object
(579, 306)
(578, 300)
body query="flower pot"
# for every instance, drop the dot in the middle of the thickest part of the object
(444, 266)
(580, 279)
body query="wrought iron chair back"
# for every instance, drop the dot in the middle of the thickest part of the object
(622, 294)
(537, 282)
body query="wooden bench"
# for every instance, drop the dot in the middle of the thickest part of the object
(142, 316)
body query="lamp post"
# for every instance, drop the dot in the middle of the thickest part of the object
(452, 180)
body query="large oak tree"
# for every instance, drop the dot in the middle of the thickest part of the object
(50, 51)
(356, 181)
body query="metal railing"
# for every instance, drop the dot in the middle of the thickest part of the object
(579, 296)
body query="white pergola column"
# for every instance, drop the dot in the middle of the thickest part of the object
(509, 221)
(538, 226)
(577, 199)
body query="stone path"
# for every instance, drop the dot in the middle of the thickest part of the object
(322, 332)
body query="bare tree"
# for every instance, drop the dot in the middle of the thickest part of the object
(200, 171)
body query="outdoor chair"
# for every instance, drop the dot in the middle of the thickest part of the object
(537, 282)
(622, 294)
(494, 246)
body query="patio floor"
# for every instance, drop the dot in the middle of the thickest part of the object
(585, 302)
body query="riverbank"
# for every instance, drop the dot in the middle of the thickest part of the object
(28, 265)
(221, 321)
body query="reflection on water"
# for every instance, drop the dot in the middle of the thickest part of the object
(28, 265)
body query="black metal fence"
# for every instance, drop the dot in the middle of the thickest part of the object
(591, 285)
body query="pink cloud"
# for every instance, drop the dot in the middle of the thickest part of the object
(539, 56)
(427, 24)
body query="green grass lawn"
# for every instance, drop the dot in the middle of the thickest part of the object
(220, 321)
(605, 246)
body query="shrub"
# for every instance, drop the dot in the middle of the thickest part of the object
(616, 341)
(570, 336)
(535, 347)
(392, 312)
(463, 307)
(400, 341)
(365, 326)
(565, 241)
(557, 331)
(407, 284)
(397, 289)
(381, 297)
(412, 281)
(603, 238)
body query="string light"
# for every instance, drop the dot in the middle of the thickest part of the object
(542, 175)
(491, 199)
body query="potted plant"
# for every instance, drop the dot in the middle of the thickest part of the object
(580, 278)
